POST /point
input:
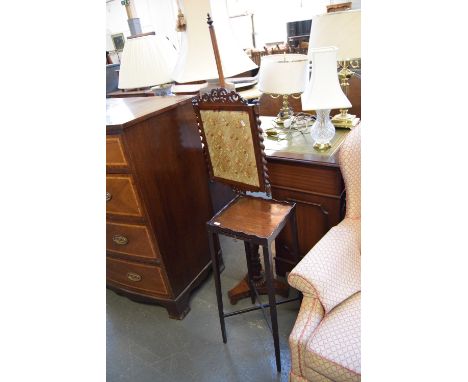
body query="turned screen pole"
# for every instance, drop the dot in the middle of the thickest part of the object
(222, 82)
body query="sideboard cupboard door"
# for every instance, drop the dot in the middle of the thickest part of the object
(315, 216)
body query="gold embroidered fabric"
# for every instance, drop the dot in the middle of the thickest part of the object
(230, 145)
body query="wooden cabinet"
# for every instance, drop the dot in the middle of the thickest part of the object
(157, 199)
(311, 179)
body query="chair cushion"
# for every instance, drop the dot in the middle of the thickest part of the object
(334, 350)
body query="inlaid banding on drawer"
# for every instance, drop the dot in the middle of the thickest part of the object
(136, 276)
(121, 196)
(130, 239)
(115, 156)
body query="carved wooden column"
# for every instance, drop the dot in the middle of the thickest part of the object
(242, 289)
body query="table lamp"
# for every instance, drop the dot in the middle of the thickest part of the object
(196, 60)
(147, 60)
(283, 75)
(343, 30)
(323, 93)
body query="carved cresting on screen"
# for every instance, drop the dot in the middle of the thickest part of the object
(229, 140)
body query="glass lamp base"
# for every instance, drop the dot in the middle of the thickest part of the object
(322, 130)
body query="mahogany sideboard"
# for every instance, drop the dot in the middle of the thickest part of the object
(310, 178)
(158, 201)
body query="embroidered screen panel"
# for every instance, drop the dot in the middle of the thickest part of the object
(230, 145)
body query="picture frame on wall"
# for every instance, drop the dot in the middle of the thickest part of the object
(119, 41)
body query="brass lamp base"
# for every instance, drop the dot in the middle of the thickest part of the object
(281, 118)
(345, 120)
(322, 146)
(286, 112)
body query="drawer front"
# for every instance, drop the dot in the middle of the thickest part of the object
(115, 156)
(316, 179)
(121, 196)
(142, 278)
(130, 239)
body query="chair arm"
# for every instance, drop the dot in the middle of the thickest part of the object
(331, 270)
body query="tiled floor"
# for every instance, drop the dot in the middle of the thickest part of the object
(143, 344)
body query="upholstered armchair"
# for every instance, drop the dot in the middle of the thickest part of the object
(325, 341)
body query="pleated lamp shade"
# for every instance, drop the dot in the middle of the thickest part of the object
(146, 60)
(283, 74)
(340, 29)
(196, 60)
(323, 91)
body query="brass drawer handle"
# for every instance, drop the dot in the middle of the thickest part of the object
(120, 239)
(135, 277)
(108, 196)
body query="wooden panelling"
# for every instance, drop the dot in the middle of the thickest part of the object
(137, 277)
(115, 156)
(132, 240)
(121, 196)
(271, 106)
(354, 96)
(315, 216)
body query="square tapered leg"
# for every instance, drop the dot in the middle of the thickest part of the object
(217, 279)
(272, 303)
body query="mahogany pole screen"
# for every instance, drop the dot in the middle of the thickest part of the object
(216, 52)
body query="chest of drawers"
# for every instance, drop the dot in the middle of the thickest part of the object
(157, 201)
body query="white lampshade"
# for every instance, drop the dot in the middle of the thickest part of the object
(340, 29)
(323, 91)
(196, 60)
(283, 73)
(146, 61)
